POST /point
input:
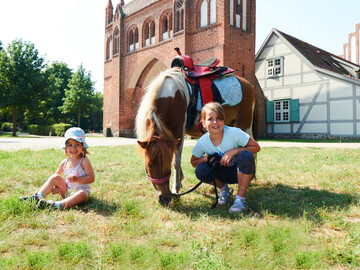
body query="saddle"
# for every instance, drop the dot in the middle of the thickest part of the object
(200, 77)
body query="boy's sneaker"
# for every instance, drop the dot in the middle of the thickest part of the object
(238, 206)
(225, 195)
(32, 199)
(43, 204)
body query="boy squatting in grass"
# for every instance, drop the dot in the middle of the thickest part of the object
(236, 148)
(79, 174)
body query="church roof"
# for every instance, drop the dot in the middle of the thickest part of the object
(136, 5)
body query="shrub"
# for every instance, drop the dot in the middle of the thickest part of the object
(6, 126)
(60, 129)
(40, 130)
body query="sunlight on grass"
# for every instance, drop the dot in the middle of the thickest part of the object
(304, 214)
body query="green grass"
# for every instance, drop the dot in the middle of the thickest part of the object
(305, 214)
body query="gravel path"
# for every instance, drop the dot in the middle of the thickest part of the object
(45, 142)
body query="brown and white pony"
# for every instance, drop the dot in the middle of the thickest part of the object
(160, 127)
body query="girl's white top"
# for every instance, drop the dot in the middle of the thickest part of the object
(77, 171)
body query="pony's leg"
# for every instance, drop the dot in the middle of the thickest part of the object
(178, 174)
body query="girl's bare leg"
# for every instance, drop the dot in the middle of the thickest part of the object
(75, 199)
(243, 183)
(54, 181)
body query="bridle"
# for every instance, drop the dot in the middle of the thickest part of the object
(159, 181)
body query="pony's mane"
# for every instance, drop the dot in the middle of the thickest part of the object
(146, 115)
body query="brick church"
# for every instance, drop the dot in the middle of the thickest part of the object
(140, 38)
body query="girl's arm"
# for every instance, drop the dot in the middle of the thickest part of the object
(60, 170)
(251, 146)
(196, 161)
(90, 176)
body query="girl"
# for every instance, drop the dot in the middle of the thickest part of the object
(79, 174)
(236, 148)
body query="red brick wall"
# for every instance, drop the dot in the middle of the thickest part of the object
(233, 46)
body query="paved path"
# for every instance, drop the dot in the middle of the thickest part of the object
(44, 142)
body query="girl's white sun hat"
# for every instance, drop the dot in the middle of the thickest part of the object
(76, 134)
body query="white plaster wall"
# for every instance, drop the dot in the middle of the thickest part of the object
(318, 113)
(302, 110)
(292, 79)
(341, 110)
(305, 92)
(358, 108)
(281, 93)
(314, 128)
(274, 82)
(310, 77)
(340, 89)
(282, 128)
(339, 129)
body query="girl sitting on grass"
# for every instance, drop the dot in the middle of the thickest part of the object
(236, 148)
(79, 174)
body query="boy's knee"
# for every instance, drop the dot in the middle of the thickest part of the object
(246, 162)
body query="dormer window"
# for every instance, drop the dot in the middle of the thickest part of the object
(275, 67)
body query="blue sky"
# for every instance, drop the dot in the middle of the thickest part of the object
(72, 31)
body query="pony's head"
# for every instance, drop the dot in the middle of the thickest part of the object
(159, 152)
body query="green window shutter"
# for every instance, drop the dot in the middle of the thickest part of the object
(294, 110)
(269, 111)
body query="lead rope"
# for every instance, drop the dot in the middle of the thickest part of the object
(215, 163)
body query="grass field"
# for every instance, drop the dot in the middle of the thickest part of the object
(305, 213)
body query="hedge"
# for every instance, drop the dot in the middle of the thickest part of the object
(6, 126)
(53, 130)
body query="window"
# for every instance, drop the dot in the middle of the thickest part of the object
(282, 111)
(238, 13)
(203, 14)
(133, 39)
(179, 16)
(149, 33)
(116, 41)
(108, 48)
(166, 26)
(275, 67)
(207, 12)
(212, 11)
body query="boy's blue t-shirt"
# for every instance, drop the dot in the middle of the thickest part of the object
(233, 138)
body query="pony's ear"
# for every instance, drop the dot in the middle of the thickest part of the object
(142, 144)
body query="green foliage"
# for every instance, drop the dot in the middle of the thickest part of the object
(6, 126)
(21, 78)
(41, 130)
(33, 93)
(60, 129)
(80, 94)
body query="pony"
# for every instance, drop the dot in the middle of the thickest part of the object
(160, 127)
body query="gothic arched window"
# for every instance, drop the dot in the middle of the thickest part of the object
(116, 41)
(149, 32)
(204, 13)
(108, 48)
(179, 15)
(238, 13)
(166, 26)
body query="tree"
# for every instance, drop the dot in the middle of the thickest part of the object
(58, 76)
(79, 95)
(21, 79)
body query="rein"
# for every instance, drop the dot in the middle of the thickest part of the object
(215, 163)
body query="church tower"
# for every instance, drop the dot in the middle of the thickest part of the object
(140, 38)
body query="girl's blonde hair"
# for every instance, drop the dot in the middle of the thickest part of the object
(212, 106)
(84, 151)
